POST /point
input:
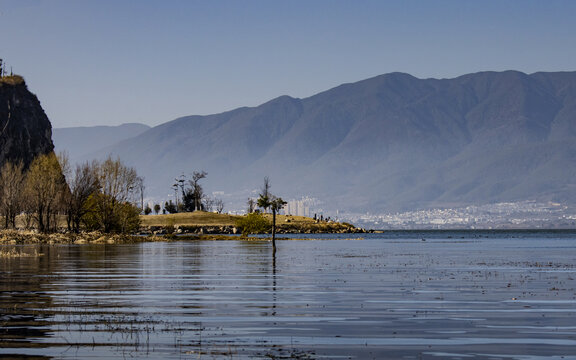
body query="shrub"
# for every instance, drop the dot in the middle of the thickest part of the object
(253, 223)
(110, 217)
(170, 225)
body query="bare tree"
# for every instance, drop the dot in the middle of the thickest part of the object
(112, 208)
(219, 205)
(208, 203)
(11, 184)
(251, 205)
(82, 185)
(179, 184)
(265, 193)
(140, 188)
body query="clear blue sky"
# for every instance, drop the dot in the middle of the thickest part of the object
(107, 62)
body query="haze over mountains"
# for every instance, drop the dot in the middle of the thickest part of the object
(392, 142)
(82, 141)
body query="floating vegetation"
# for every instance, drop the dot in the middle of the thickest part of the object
(17, 253)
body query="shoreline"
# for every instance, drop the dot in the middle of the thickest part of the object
(197, 225)
(27, 237)
(22, 237)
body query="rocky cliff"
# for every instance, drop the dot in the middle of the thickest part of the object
(25, 131)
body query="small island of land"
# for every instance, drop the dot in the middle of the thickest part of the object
(201, 222)
(198, 225)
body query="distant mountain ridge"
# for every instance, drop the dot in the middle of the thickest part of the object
(82, 141)
(392, 142)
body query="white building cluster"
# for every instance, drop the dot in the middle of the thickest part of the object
(524, 214)
(303, 207)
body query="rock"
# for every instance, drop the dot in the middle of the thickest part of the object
(25, 131)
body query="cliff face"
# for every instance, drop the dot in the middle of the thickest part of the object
(25, 131)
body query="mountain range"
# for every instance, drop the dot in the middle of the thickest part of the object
(389, 143)
(82, 141)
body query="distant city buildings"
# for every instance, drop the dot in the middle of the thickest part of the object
(306, 206)
(524, 214)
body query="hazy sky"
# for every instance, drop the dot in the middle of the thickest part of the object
(107, 62)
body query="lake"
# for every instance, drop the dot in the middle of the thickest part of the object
(398, 295)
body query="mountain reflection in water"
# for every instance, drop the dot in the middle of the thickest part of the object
(457, 294)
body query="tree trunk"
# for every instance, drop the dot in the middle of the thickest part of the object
(274, 229)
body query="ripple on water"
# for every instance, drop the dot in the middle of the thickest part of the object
(379, 297)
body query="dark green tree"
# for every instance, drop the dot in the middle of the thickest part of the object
(193, 195)
(111, 216)
(170, 207)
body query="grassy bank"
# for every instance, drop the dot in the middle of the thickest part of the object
(206, 222)
(198, 225)
(197, 218)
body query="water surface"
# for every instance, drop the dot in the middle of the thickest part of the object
(410, 295)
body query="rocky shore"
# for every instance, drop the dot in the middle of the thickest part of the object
(31, 237)
(164, 233)
(309, 228)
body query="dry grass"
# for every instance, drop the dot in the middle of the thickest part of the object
(201, 218)
(198, 218)
(284, 223)
(12, 80)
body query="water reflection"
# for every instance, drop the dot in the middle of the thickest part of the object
(374, 298)
(274, 296)
(22, 295)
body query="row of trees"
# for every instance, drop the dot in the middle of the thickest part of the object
(192, 196)
(94, 195)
